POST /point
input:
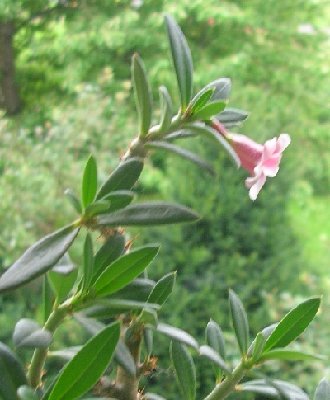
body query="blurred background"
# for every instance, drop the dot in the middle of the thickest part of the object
(65, 92)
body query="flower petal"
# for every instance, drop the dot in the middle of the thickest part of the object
(256, 187)
(283, 142)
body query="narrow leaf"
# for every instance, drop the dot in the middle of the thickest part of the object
(124, 270)
(98, 207)
(142, 94)
(231, 117)
(201, 129)
(89, 182)
(209, 110)
(258, 346)
(62, 283)
(122, 178)
(162, 289)
(152, 213)
(166, 109)
(184, 153)
(153, 396)
(288, 355)
(119, 199)
(182, 60)
(293, 324)
(88, 262)
(177, 334)
(26, 393)
(12, 374)
(109, 308)
(221, 87)
(185, 370)
(124, 358)
(28, 333)
(240, 321)
(109, 252)
(39, 258)
(323, 390)
(73, 200)
(212, 355)
(214, 338)
(148, 337)
(87, 366)
(200, 100)
(262, 386)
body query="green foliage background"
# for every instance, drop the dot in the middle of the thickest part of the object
(74, 75)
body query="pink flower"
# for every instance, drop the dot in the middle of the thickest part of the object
(261, 160)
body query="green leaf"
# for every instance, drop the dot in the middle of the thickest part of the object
(88, 262)
(209, 110)
(62, 277)
(26, 393)
(28, 333)
(212, 355)
(87, 366)
(122, 178)
(142, 94)
(166, 108)
(148, 337)
(184, 133)
(119, 199)
(137, 290)
(323, 390)
(98, 207)
(177, 334)
(152, 213)
(200, 100)
(214, 338)
(148, 317)
(184, 153)
(231, 117)
(124, 270)
(162, 289)
(124, 358)
(289, 355)
(89, 182)
(185, 370)
(39, 258)
(221, 89)
(182, 60)
(122, 355)
(109, 307)
(65, 354)
(202, 129)
(257, 346)
(73, 200)
(109, 252)
(240, 321)
(293, 324)
(153, 396)
(272, 388)
(12, 374)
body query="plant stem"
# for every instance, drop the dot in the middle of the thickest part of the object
(39, 356)
(126, 384)
(223, 389)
